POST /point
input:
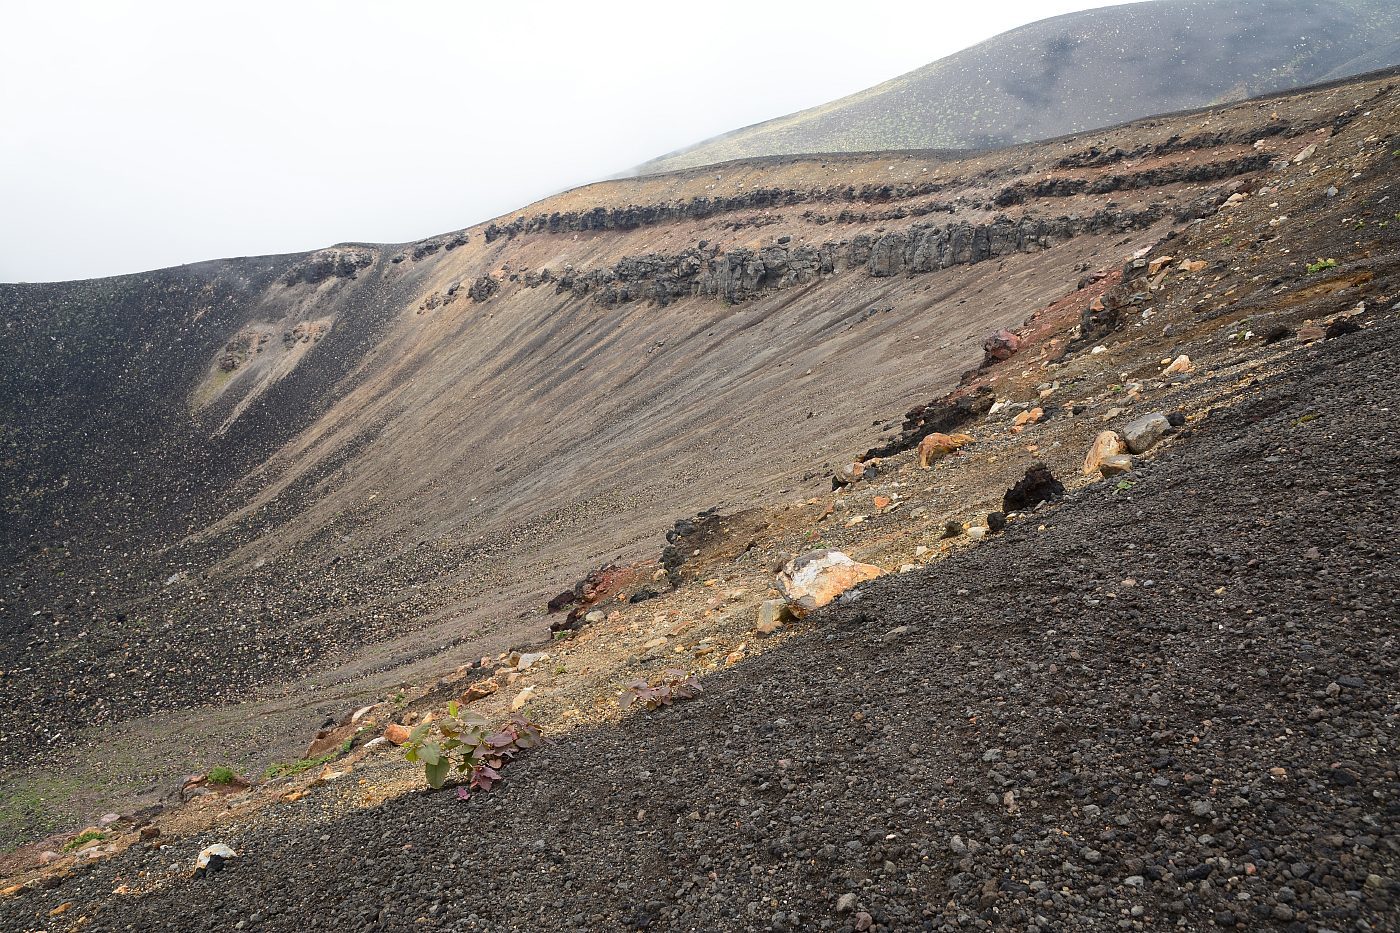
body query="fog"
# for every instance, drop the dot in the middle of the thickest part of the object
(140, 135)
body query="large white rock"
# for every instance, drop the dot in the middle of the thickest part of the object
(814, 578)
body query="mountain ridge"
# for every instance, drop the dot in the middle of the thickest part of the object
(912, 111)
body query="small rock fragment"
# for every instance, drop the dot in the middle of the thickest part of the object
(521, 698)
(772, 613)
(212, 858)
(1180, 365)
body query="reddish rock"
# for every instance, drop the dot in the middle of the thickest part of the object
(1179, 366)
(396, 733)
(999, 346)
(1029, 416)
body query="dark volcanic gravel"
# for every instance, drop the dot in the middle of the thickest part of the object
(1175, 707)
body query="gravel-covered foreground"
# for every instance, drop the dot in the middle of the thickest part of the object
(1174, 707)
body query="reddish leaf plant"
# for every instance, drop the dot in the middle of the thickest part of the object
(464, 744)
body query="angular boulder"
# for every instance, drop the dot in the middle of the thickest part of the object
(1107, 444)
(848, 475)
(1143, 433)
(772, 613)
(814, 578)
(1118, 463)
(999, 346)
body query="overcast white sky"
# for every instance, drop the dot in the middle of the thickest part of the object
(140, 135)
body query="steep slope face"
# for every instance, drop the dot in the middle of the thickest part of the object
(227, 476)
(1130, 718)
(1082, 70)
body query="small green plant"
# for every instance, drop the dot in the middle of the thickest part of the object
(1320, 265)
(1123, 486)
(280, 769)
(675, 684)
(463, 743)
(220, 775)
(83, 838)
(398, 698)
(1226, 241)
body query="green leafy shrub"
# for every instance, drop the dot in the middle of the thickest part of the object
(675, 684)
(1320, 265)
(464, 744)
(220, 775)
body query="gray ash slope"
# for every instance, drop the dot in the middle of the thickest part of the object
(1049, 78)
(1046, 747)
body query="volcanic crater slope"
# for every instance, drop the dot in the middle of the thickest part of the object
(1130, 709)
(254, 499)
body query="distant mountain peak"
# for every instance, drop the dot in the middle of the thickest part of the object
(1080, 71)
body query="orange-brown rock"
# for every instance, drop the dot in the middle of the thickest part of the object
(1030, 416)
(1115, 464)
(396, 733)
(813, 579)
(882, 502)
(1178, 366)
(479, 690)
(937, 446)
(1107, 444)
